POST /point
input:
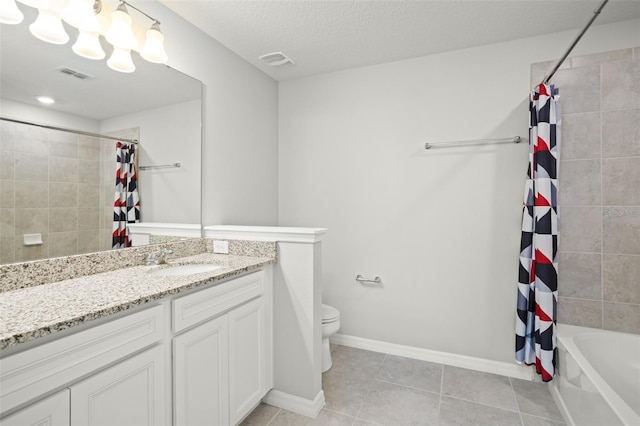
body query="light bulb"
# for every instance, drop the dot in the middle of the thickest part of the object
(88, 46)
(38, 4)
(48, 27)
(9, 12)
(153, 49)
(121, 61)
(119, 33)
(80, 14)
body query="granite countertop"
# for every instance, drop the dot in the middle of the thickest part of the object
(34, 312)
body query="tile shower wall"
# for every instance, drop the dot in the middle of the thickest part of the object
(599, 259)
(50, 183)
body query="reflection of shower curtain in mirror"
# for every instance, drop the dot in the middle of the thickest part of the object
(126, 206)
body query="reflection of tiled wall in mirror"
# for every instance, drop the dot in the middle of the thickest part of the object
(53, 183)
(599, 199)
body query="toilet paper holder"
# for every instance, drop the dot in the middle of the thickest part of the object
(376, 280)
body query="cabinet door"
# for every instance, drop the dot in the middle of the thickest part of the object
(52, 411)
(129, 393)
(247, 358)
(200, 375)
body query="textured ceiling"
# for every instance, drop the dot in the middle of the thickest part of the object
(329, 35)
(320, 35)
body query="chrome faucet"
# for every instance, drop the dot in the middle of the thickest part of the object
(160, 257)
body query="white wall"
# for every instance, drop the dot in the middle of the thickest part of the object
(168, 135)
(441, 227)
(43, 115)
(240, 126)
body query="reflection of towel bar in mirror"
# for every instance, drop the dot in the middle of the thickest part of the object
(162, 166)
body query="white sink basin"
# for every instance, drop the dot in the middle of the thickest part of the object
(178, 270)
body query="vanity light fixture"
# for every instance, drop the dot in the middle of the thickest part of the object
(88, 46)
(48, 27)
(38, 4)
(9, 12)
(153, 49)
(120, 33)
(82, 15)
(120, 60)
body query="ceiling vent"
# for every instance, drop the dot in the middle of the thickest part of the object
(276, 59)
(74, 73)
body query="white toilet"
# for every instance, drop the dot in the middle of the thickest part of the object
(330, 326)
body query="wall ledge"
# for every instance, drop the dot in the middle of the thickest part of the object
(190, 230)
(266, 233)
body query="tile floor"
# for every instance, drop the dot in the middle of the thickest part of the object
(366, 388)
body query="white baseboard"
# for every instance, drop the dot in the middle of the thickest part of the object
(463, 361)
(306, 407)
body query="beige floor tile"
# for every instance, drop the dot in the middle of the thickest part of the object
(325, 418)
(411, 372)
(354, 397)
(394, 405)
(455, 411)
(535, 398)
(528, 420)
(261, 415)
(476, 386)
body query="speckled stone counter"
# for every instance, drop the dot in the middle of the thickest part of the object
(29, 274)
(32, 312)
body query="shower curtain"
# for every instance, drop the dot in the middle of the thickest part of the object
(126, 207)
(538, 276)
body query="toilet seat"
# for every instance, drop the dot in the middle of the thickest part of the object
(329, 314)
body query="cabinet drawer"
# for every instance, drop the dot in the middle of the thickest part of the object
(27, 375)
(199, 306)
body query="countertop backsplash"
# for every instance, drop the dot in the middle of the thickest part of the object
(247, 248)
(29, 274)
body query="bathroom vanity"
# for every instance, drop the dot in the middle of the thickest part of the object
(184, 349)
(107, 340)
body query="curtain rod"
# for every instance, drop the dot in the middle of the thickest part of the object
(63, 129)
(584, 30)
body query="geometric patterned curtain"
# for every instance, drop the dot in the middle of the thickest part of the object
(126, 206)
(538, 275)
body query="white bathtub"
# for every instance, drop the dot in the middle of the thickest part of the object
(598, 376)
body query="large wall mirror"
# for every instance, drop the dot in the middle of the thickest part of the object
(59, 184)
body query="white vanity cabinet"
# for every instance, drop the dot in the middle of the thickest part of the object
(129, 393)
(71, 365)
(247, 358)
(201, 379)
(51, 411)
(212, 360)
(222, 362)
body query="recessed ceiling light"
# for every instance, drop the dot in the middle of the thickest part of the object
(46, 100)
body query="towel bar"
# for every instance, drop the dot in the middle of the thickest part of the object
(376, 280)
